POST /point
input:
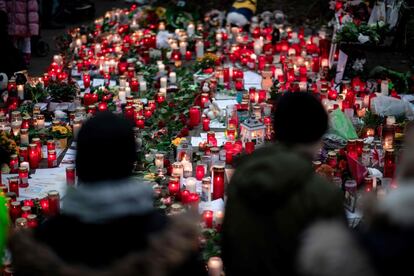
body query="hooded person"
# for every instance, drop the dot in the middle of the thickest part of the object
(274, 194)
(108, 225)
(383, 246)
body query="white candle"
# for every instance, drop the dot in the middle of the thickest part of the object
(384, 88)
(219, 38)
(215, 266)
(122, 81)
(159, 160)
(173, 77)
(257, 47)
(24, 137)
(163, 82)
(20, 91)
(183, 48)
(127, 91)
(161, 68)
(40, 122)
(190, 29)
(97, 48)
(142, 86)
(163, 91)
(199, 49)
(190, 184)
(122, 95)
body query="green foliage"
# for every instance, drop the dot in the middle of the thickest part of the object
(212, 246)
(61, 91)
(36, 93)
(350, 32)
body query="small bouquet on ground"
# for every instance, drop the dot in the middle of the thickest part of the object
(61, 133)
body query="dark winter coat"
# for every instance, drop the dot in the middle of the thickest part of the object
(23, 17)
(384, 247)
(273, 197)
(149, 245)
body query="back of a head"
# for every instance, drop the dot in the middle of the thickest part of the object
(299, 119)
(105, 149)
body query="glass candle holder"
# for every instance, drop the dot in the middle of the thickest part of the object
(26, 211)
(332, 159)
(178, 168)
(14, 185)
(200, 172)
(389, 163)
(195, 116)
(208, 219)
(15, 210)
(206, 124)
(53, 198)
(218, 182)
(24, 136)
(215, 266)
(70, 176)
(51, 159)
(39, 145)
(23, 154)
(32, 221)
(174, 186)
(388, 133)
(206, 189)
(14, 163)
(159, 160)
(23, 177)
(33, 156)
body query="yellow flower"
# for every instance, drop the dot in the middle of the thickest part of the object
(177, 141)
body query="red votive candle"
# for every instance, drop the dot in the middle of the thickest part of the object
(206, 124)
(54, 202)
(208, 219)
(23, 177)
(249, 146)
(204, 99)
(185, 194)
(389, 163)
(51, 145)
(218, 182)
(26, 211)
(15, 210)
(229, 156)
(195, 116)
(70, 176)
(14, 163)
(174, 186)
(51, 159)
(140, 122)
(14, 186)
(134, 85)
(33, 156)
(86, 80)
(200, 172)
(32, 221)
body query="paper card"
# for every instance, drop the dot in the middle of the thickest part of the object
(215, 206)
(80, 83)
(340, 67)
(252, 78)
(195, 141)
(75, 73)
(218, 135)
(223, 96)
(217, 124)
(222, 104)
(43, 106)
(98, 82)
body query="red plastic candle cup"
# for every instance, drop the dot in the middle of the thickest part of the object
(38, 143)
(195, 116)
(147, 112)
(103, 106)
(23, 177)
(86, 80)
(218, 182)
(229, 156)
(206, 124)
(174, 186)
(134, 85)
(152, 105)
(239, 85)
(15, 210)
(44, 204)
(208, 219)
(160, 98)
(26, 211)
(359, 146)
(129, 112)
(54, 202)
(204, 99)
(51, 159)
(33, 156)
(389, 163)
(70, 176)
(188, 55)
(185, 194)
(200, 172)
(14, 186)
(14, 163)
(249, 146)
(51, 145)
(194, 200)
(140, 122)
(32, 221)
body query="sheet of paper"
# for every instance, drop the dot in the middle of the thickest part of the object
(215, 205)
(340, 67)
(222, 104)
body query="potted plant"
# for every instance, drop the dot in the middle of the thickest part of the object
(61, 133)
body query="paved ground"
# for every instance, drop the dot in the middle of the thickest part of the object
(39, 64)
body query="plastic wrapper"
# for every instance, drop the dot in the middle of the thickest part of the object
(389, 106)
(342, 126)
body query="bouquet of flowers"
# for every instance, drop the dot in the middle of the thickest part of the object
(61, 131)
(8, 143)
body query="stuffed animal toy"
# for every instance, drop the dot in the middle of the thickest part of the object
(242, 12)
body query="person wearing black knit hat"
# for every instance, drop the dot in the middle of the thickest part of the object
(300, 121)
(108, 223)
(277, 192)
